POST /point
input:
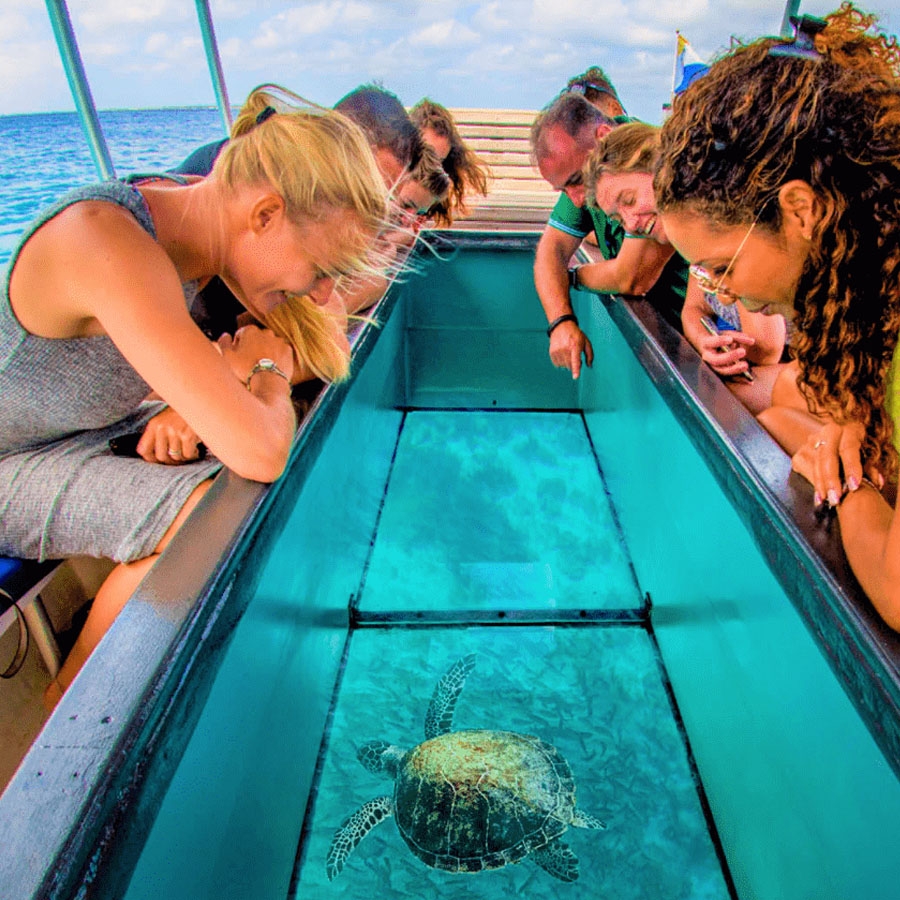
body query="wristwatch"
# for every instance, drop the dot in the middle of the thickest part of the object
(573, 278)
(265, 365)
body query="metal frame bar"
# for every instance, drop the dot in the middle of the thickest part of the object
(791, 8)
(78, 84)
(213, 61)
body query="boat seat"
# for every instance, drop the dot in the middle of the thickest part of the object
(21, 583)
(518, 197)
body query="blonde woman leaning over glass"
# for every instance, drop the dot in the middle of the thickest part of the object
(95, 317)
(797, 212)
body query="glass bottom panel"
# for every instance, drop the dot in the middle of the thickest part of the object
(593, 693)
(497, 511)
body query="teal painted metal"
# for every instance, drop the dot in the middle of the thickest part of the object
(215, 64)
(791, 8)
(78, 83)
(802, 798)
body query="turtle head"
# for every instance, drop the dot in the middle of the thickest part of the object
(380, 757)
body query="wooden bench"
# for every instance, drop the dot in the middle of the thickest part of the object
(518, 198)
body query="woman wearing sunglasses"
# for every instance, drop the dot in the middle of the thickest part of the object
(797, 211)
(619, 178)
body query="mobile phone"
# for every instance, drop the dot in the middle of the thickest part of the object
(126, 445)
(713, 328)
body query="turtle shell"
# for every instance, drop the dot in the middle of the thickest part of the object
(472, 800)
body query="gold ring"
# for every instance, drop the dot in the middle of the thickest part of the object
(174, 454)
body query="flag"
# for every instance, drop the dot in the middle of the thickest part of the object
(688, 65)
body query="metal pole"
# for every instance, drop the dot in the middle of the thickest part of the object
(791, 8)
(78, 83)
(212, 59)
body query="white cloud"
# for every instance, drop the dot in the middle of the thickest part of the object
(447, 33)
(100, 16)
(498, 16)
(490, 53)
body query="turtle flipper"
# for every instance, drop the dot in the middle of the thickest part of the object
(557, 859)
(586, 820)
(439, 719)
(353, 830)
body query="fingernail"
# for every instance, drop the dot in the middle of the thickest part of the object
(817, 499)
(852, 483)
(833, 498)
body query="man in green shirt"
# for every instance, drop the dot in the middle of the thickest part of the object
(562, 138)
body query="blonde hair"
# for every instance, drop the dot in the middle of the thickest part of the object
(317, 335)
(627, 148)
(319, 162)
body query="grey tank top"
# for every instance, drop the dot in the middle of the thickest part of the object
(51, 388)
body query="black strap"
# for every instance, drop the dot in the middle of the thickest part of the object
(22, 649)
(568, 317)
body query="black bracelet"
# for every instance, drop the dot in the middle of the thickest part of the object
(568, 317)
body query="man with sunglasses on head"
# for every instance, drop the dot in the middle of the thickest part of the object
(562, 138)
(597, 89)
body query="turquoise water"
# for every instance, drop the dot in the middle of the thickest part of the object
(804, 804)
(497, 510)
(595, 693)
(475, 513)
(45, 154)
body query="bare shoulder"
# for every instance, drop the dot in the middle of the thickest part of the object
(86, 253)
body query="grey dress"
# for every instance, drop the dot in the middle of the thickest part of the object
(62, 493)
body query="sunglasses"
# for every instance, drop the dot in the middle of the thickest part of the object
(582, 87)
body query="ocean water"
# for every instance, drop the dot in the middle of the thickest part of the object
(43, 155)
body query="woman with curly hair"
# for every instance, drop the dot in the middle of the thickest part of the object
(468, 174)
(618, 179)
(779, 179)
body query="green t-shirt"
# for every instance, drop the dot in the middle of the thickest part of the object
(579, 221)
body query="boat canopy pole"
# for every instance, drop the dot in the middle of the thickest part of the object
(215, 65)
(78, 83)
(791, 8)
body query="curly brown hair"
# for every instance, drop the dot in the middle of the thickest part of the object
(468, 174)
(764, 115)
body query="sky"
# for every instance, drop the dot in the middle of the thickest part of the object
(495, 53)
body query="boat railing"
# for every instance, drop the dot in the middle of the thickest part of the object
(81, 91)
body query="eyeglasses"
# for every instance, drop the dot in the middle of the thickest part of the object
(716, 288)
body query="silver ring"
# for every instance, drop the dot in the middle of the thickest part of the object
(818, 444)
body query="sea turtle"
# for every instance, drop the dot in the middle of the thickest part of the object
(470, 800)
